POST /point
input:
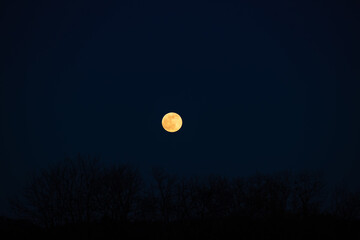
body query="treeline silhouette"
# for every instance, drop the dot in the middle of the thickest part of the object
(83, 199)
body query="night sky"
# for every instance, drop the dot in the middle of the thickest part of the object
(261, 86)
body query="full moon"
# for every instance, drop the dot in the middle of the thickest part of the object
(171, 122)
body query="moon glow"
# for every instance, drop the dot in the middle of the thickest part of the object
(171, 122)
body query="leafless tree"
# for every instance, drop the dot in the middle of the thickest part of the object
(214, 197)
(121, 188)
(345, 203)
(278, 190)
(147, 210)
(239, 196)
(186, 198)
(262, 196)
(307, 193)
(255, 197)
(165, 192)
(63, 194)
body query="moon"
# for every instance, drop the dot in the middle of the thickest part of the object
(171, 122)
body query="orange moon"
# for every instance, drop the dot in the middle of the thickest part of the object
(171, 122)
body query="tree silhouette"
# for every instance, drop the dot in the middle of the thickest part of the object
(165, 188)
(63, 194)
(185, 198)
(120, 192)
(214, 197)
(83, 194)
(307, 193)
(345, 203)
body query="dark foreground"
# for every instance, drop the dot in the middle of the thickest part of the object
(324, 227)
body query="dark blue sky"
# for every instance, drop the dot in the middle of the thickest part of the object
(261, 86)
